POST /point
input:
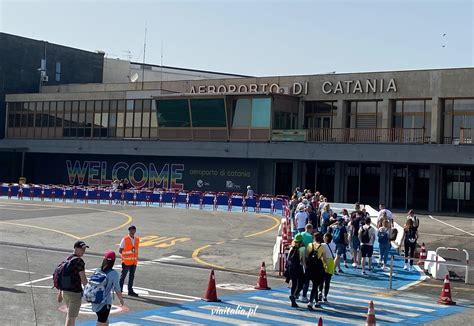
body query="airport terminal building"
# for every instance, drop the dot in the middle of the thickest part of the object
(402, 138)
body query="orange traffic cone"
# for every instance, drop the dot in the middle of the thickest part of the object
(423, 255)
(320, 322)
(211, 292)
(262, 279)
(370, 315)
(445, 296)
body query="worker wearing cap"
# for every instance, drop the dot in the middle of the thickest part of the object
(129, 252)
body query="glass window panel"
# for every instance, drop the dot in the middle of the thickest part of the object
(353, 109)
(97, 120)
(173, 113)
(457, 124)
(242, 110)
(428, 105)
(418, 121)
(52, 116)
(146, 118)
(366, 107)
(397, 121)
(112, 124)
(427, 123)
(413, 106)
(399, 107)
(466, 105)
(468, 121)
(261, 109)
(130, 105)
(120, 119)
(137, 119)
(208, 113)
(45, 116)
(59, 114)
(153, 120)
(38, 113)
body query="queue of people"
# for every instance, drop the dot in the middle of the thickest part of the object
(322, 239)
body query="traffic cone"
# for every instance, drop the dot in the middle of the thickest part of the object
(423, 255)
(262, 279)
(211, 292)
(370, 315)
(445, 296)
(320, 322)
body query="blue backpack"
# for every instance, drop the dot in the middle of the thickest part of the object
(94, 291)
(383, 237)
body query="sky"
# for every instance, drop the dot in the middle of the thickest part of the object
(259, 38)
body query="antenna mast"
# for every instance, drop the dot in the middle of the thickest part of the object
(161, 64)
(143, 64)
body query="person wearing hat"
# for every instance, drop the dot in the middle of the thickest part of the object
(300, 218)
(295, 266)
(103, 309)
(129, 252)
(72, 296)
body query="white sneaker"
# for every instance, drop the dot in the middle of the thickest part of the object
(410, 268)
(405, 267)
(354, 265)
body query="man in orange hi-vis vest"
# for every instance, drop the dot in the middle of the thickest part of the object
(129, 252)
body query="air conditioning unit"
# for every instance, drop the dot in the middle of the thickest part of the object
(44, 78)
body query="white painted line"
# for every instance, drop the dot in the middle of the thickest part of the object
(34, 281)
(169, 293)
(18, 271)
(122, 323)
(299, 312)
(454, 227)
(163, 297)
(366, 287)
(167, 321)
(213, 318)
(289, 310)
(379, 310)
(363, 314)
(422, 278)
(383, 303)
(348, 287)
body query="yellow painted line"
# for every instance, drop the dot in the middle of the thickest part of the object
(277, 223)
(129, 220)
(43, 228)
(196, 252)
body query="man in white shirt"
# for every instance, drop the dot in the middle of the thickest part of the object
(300, 218)
(388, 214)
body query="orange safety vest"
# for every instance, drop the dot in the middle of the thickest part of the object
(129, 252)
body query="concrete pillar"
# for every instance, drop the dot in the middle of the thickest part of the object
(339, 182)
(386, 107)
(341, 114)
(384, 186)
(436, 173)
(436, 120)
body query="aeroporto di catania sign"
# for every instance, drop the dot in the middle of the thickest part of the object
(366, 86)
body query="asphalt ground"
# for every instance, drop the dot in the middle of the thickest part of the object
(179, 247)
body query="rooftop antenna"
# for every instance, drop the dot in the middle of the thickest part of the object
(144, 54)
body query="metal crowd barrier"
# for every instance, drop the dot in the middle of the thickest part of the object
(150, 197)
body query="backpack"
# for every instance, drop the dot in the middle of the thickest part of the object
(411, 235)
(365, 236)
(62, 277)
(313, 262)
(293, 259)
(338, 234)
(383, 237)
(94, 291)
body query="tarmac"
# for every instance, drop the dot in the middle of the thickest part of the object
(178, 249)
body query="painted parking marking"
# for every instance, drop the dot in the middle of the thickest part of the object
(161, 241)
(236, 287)
(452, 226)
(166, 321)
(86, 309)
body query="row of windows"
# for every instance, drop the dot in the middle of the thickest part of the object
(136, 118)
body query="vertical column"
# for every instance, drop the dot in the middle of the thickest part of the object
(339, 182)
(384, 185)
(436, 120)
(341, 114)
(386, 108)
(434, 203)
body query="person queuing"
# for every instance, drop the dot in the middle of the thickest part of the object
(129, 253)
(340, 240)
(383, 236)
(329, 266)
(300, 218)
(410, 236)
(356, 222)
(367, 238)
(307, 239)
(315, 268)
(295, 268)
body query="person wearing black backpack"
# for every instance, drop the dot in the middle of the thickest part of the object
(315, 268)
(72, 293)
(295, 268)
(367, 238)
(102, 309)
(410, 236)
